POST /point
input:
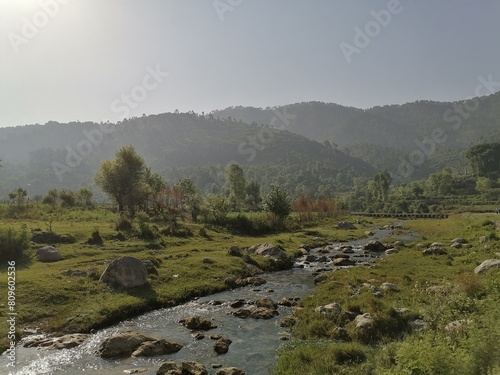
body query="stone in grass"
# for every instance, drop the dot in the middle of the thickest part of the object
(125, 272)
(48, 254)
(486, 265)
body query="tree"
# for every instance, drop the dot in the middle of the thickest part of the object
(218, 207)
(18, 196)
(278, 203)
(51, 197)
(485, 159)
(236, 180)
(121, 179)
(68, 198)
(253, 198)
(84, 197)
(190, 196)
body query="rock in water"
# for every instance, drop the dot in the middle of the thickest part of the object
(222, 346)
(268, 250)
(125, 272)
(197, 323)
(122, 345)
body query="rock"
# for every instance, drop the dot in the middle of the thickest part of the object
(345, 225)
(198, 336)
(135, 370)
(320, 278)
(269, 250)
(122, 344)
(459, 240)
(363, 321)
(255, 281)
(484, 239)
(52, 238)
(242, 313)
(456, 245)
(72, 273)
(434, 250)
(288, 302)
(417, 324)
(391, 251)
(150, 267)
(237, 303)
(437, 244)
(341, 334)
(48, 254)
(230, 282)
(215, 337)
(216, 365)
(399, 243)
(457, 325)
(376, 291)
(421, 246)
(347, 250)
(288, 321)
(208, 260)
(266, 302)
(126, 272)
(222, 346)
(343, 262)
(158, 347)
(389, 286)
(369, 233)
(235, 251)
(230, 371)
(302, 252)
(375, 246)
(486, 265)
(63, 342)
(197, 323)
(263, 313)
(184, 368)
(332, 309)
(311, 258)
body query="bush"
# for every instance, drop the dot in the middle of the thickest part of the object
(14, 244)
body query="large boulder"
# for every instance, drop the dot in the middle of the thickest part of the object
(375, 246)
(48, 254)
(486, 265)
(125, 344)
(197, 323)
(269, 250)
(345, 225)
(434, 250)
(158, 347)
(125, 272)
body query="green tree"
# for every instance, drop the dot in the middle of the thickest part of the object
(218, 206)
(51, 197)
(121, 179)
(485, 159)
(68, 198)
(253, 197)
(441, 183)
(236, 180)
(278, 203)
(84, 197)
(190, 196)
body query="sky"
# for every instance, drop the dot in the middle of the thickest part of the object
(98, 60)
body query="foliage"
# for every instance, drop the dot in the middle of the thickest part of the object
(14, 244)
(278, 203)
(485, 159)
(122, 178)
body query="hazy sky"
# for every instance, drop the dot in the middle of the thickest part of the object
(106, 59)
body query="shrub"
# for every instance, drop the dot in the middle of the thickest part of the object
(14, 244)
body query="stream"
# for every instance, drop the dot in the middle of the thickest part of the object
(254, 341)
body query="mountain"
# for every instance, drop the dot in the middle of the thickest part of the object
(67, 156)
(384, 136)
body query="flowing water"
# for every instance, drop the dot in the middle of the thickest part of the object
(254, 342)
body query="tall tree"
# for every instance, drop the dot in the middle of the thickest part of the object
(122, 178)
(236, 179)
(278, 203)
(485, 159)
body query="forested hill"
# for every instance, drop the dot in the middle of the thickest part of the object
(174, 145)
(397, 126)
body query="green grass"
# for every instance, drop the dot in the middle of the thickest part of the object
(390, 345)
(52, 302)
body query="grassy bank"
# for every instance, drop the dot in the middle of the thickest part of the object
(455, 313)
(50, 301)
